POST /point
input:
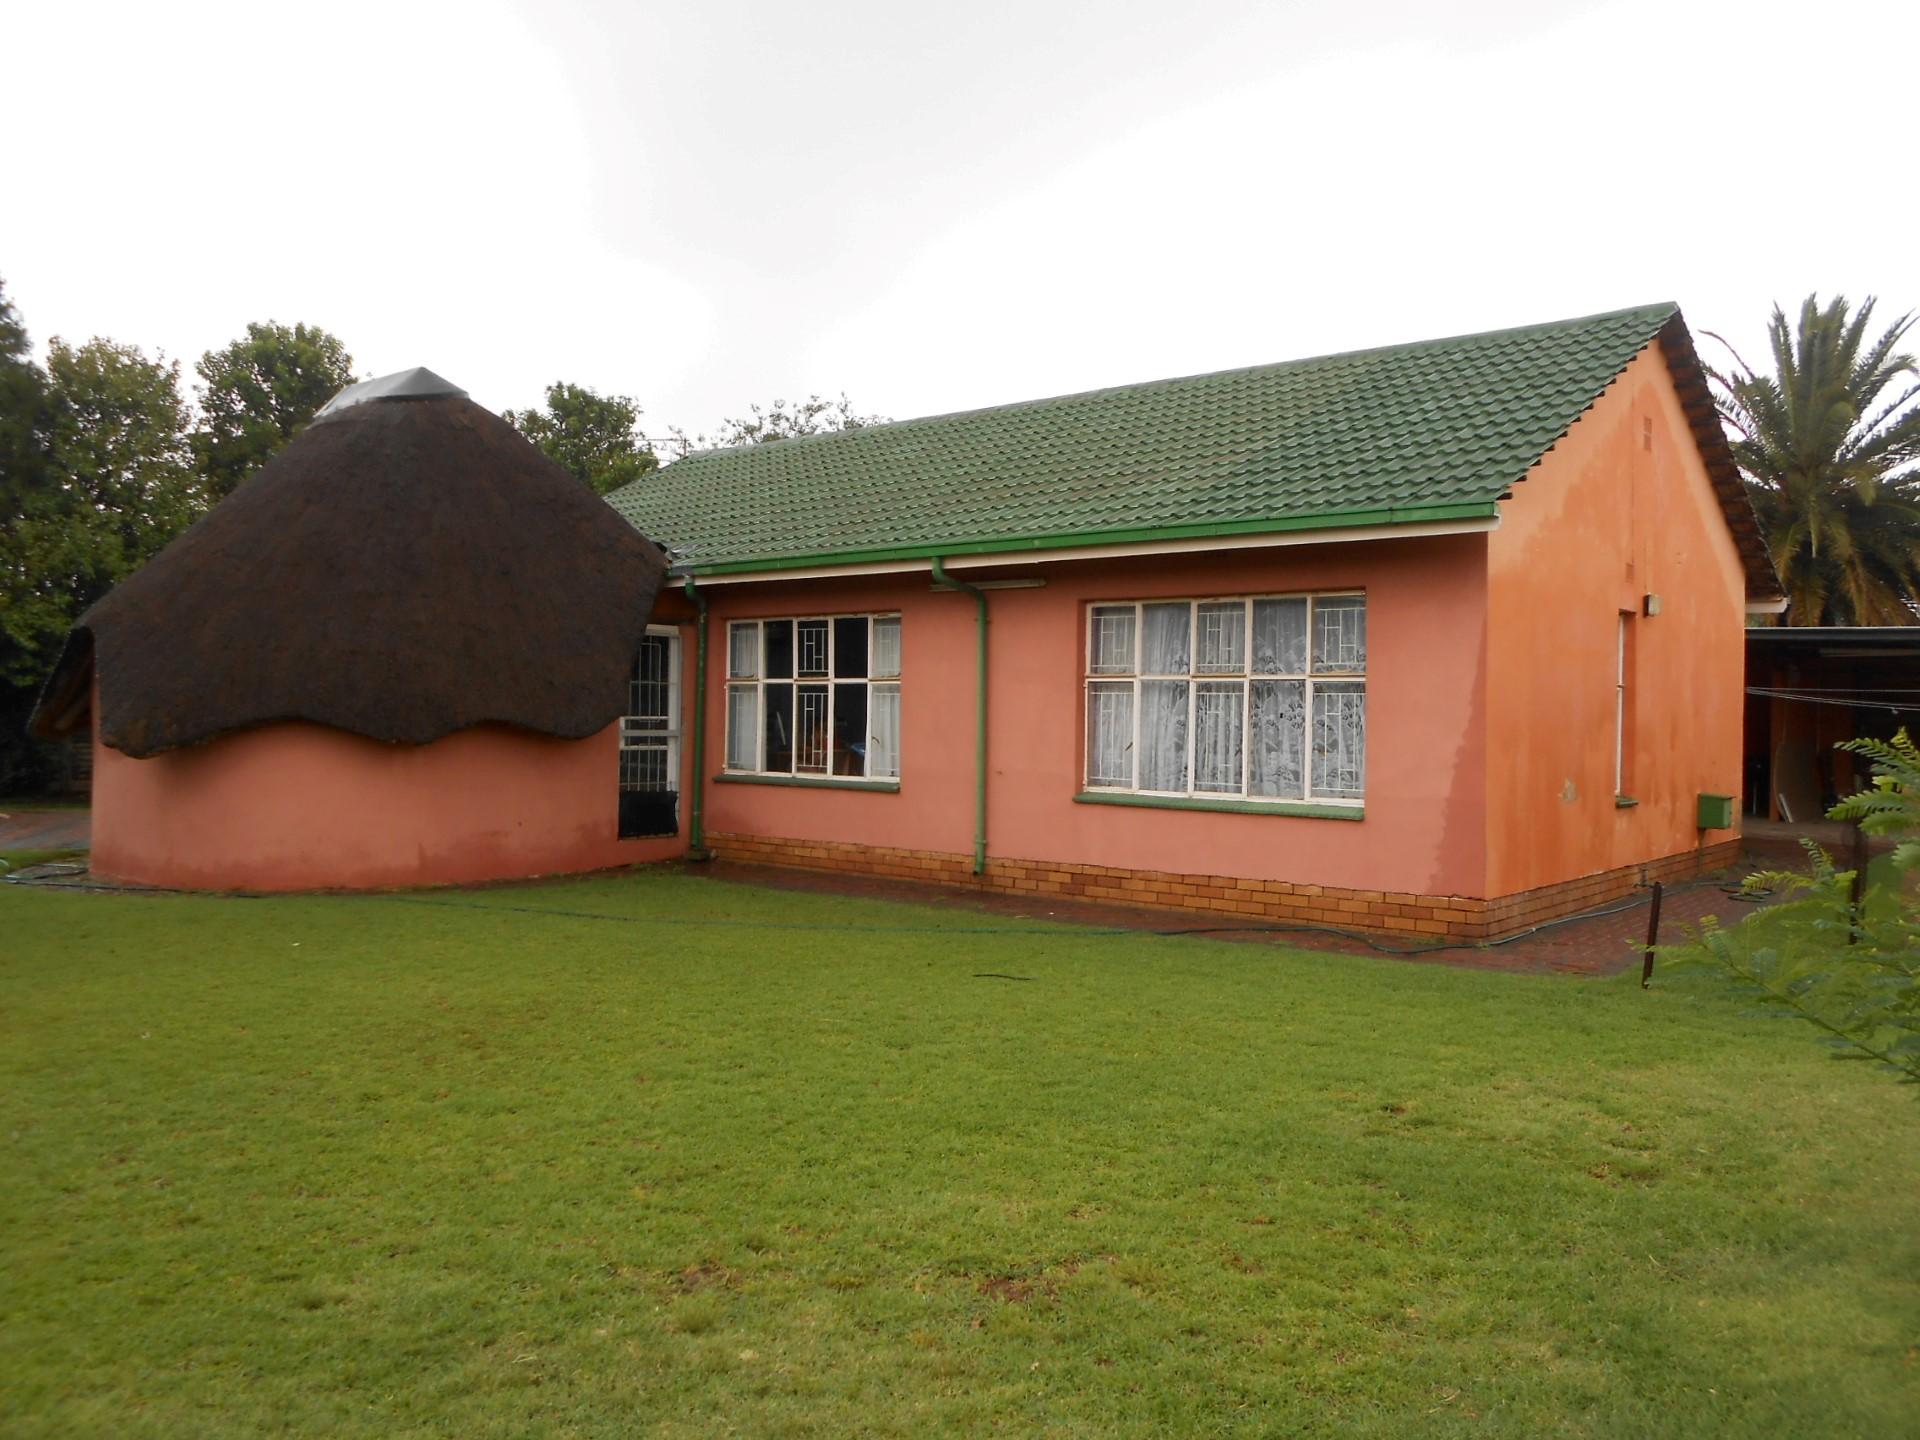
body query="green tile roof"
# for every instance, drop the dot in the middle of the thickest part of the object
(1433, 430)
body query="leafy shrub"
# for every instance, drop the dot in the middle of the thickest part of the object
(1850, 969)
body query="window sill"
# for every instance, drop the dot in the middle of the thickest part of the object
(809, 782)
(1624, 802)
(1232, 807)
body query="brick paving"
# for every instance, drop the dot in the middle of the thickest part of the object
(45, 829)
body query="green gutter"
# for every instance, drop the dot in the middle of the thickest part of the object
(941, 577)
(1014, 545)
(696, 824)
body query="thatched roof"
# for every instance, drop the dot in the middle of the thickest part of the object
(407, 567)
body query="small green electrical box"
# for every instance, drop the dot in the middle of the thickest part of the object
(1716, 812)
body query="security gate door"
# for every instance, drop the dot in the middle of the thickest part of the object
(650, 741)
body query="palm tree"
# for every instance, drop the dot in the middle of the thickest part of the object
(1830, 446)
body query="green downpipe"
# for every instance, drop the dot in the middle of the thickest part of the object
(696, 823)
(941, 577)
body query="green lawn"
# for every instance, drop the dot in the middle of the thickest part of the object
(465, 1165)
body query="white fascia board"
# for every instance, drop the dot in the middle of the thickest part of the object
(1203, 544)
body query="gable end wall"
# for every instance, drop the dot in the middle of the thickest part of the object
(1621, 508)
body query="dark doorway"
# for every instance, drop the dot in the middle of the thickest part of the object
(650, 742)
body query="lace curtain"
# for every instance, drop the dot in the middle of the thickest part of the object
(883, 755)
(741, 737)
(1232, 697)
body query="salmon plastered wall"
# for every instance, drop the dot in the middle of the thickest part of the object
(296, 806)
(1619, 511)
(1423, 828)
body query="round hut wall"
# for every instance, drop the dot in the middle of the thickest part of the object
(298, 806)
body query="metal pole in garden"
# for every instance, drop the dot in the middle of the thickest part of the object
(1653, 936)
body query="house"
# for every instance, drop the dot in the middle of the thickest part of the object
(1442, 639)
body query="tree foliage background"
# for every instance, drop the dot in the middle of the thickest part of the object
(1830, 445)
(595, 437)
(101, 464)
(782, 420)
(258, 393)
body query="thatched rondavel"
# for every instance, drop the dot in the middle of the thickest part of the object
(409, 566)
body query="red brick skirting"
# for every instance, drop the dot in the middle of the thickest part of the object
(1451, 916)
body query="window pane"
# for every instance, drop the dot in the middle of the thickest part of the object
(883, 728)
(742, 728)
(1280, 637)
(1222, 638)
(1217, 706)
(1339, 739)
(650, 689)
(647, 768)
(850, 648)
(779, 650)
(743, 650)
(886, 646)
(778, 710)
(1165, 638)
(849, 729)
(1163, 735)
(812, 637)
(1277, 736)
(1112, 641)
(812, 728)
(1339, 633)
(1110, 734)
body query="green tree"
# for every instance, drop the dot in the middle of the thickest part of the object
(1830, 445)
(30, 611)
(784, 420)
(112, 481)
(258, 393)
(120, 446)
(595, 437)
(23, 413)
(96, 475)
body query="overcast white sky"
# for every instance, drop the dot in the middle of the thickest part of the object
(936, 206)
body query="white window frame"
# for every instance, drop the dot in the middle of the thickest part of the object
(1620, 705)
(832, 680)
(641, 733)
(1194, 677)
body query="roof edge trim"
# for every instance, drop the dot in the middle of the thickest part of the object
(1414, 523)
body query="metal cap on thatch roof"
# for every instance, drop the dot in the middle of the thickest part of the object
(419, 383)
(405, 568)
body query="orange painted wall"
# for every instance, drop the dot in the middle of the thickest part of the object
(1424, 829)
(1622, 507)
(297, 806)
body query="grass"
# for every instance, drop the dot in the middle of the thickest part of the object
(469, 1164)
